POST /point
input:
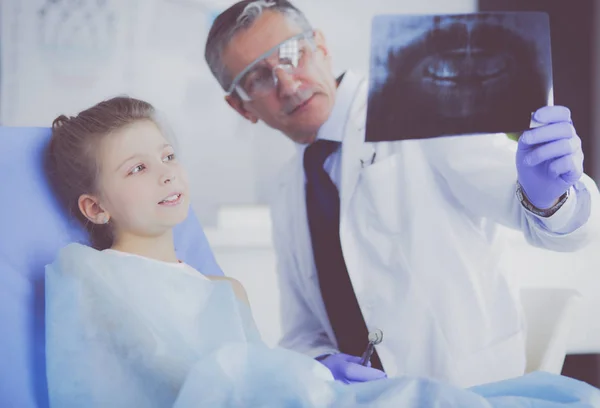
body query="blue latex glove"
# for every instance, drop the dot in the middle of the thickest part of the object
(347, 369)
(549, 157)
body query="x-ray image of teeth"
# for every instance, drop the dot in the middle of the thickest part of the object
(442, 75)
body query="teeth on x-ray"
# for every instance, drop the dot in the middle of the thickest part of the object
(457, 74)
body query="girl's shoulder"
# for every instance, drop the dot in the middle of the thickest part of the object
(238, 288)
(75, 250)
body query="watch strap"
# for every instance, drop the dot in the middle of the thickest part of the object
(533, 209)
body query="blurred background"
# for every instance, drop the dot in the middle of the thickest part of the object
(62, 56)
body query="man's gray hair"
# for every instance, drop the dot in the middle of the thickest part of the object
(237, 18)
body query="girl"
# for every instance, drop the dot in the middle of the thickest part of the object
(128, 325)
(108, 307)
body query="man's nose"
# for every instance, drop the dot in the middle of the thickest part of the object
(288, 84)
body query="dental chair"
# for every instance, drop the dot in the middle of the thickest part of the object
(32, 230)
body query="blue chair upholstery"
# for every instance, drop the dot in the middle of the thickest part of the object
(32, 229)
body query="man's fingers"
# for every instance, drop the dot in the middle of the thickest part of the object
(359, 373)
(355, 359)
(567, 166)
(349, 358)
(552, 150)
(548, 133)
(571, 177)
(552, 114)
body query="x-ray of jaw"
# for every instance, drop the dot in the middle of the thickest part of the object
(443, 75)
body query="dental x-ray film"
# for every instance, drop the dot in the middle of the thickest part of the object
(442, 75)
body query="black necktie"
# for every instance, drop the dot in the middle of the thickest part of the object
(323, 210)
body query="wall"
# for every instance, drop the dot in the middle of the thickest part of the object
(579, 270)
(153, 49)
(61, 57)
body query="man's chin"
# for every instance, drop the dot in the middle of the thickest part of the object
(306, 133)
(303, 139)
(303, 125)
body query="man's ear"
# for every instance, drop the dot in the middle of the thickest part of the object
(321, 43)
(236, 103)
(90, 208)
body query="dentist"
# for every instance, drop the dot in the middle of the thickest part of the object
(397, 236)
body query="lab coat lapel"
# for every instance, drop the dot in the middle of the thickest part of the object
(353, 147)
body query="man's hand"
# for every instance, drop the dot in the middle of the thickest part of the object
(549, 157)
(347, 369)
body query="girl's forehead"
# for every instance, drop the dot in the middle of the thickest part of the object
(141, 133)
(139, 138)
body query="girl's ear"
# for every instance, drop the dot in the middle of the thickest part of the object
(91, 209)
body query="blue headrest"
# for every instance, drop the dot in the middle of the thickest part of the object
(32, 230)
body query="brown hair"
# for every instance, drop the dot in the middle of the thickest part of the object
(71, 163)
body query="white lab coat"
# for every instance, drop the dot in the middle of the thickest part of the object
(419, 232)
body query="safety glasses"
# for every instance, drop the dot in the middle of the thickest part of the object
(260, 78)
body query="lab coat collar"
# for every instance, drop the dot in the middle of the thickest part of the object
(354, 150)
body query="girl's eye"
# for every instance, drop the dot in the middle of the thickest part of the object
(137, 169)
(170, 157)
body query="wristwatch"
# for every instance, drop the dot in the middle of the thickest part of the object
(542, 213)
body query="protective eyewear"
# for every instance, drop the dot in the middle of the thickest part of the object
(260, 78)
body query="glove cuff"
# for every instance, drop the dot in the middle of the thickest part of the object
(537, 211)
